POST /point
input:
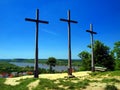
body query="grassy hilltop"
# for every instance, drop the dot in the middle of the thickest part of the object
(83, 81)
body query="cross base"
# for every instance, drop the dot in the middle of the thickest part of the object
(93, 69)
(36, 74)
(69, 71)
(71, 76)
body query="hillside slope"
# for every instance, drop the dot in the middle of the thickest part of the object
(82, 81)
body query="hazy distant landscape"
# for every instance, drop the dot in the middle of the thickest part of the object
(60, 66)
(75, 62)
(27, 65)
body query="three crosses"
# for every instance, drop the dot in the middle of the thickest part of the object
(69, 21)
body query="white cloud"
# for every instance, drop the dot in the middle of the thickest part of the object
(49, 32)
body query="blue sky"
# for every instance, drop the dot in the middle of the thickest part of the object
(17, 37)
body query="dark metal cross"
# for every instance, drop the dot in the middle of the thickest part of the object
(69, 41)
(37, 21)
(92, 47)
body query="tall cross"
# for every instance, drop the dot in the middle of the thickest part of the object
(69, 41)
(37, 21)
(92, 47)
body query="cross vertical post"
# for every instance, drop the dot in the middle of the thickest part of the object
(92, 47)
(36, 46)
(69, 21)
(37, 21)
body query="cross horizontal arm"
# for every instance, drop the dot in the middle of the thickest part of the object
(91, 32)
(33, 20)
(65, 20)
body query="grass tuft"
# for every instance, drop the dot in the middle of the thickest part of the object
(111, 87)
(46, 84)
(110, 80)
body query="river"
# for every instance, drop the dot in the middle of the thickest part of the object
(45, 66)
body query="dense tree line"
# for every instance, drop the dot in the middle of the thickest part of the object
(103, 56)
(6, 67)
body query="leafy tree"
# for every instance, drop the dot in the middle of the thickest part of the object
(116, 50)
(52, 62)
(102, 56)
(116, 54)
(117, 64)
(86, 61)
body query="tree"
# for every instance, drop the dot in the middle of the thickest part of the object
(116, 54)
(117, 64)
(86, 61)
(102, 56)
(51, 62)
(116, 50)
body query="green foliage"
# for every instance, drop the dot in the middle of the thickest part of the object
(52, 62)
(105, 80)
(114, 73)
(111, 87)
(42, 70)
(24, 83)
(94, 74)
(117, 50)
(2, 80)
(7, 67)
(117, 64)
(21, 86)
(86, 61)
(46, 84)
(116, 55)
(109, 73)
(102, 57)
(63, 83)
(71, 85)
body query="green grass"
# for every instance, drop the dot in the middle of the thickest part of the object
(109, 73)
(21, 86)
(2, 80)
(63, 83)
(3, 86)
(24, 83)
(46, 84)
(114, 73)
(72, 85)
(113, 80)
(111, 87)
